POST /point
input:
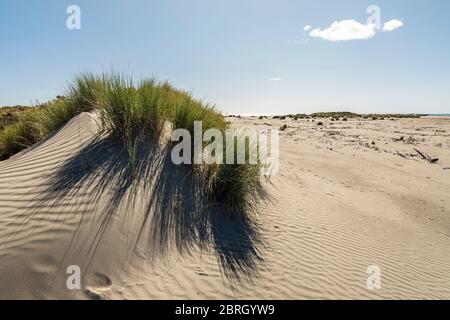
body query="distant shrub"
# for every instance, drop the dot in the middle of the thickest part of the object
(335, 114)
(10, 115)
(10, 140)
(384, 116)
(35, 124)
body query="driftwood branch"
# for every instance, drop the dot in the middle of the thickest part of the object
(426, 157)
(401, 155)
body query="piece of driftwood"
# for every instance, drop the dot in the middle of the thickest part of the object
(426, 157)
(401, 155)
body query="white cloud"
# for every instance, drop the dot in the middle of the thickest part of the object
(349, 29)
(392, 25)
(275, 79)
(345, 30)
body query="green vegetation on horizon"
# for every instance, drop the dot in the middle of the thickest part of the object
(341, 114)
(347, 115)
(34, 124)
(10, 115)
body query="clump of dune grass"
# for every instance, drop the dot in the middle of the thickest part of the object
(137, 113)
(87, 91)
(238, 189)
(51, 116)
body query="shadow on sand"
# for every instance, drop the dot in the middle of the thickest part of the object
(168, 201)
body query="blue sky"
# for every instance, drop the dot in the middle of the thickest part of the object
(231, 52)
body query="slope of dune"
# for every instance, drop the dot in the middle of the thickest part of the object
(347, 196)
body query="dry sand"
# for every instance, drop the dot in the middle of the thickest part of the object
(347, 196)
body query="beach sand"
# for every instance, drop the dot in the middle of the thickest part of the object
(348, 195)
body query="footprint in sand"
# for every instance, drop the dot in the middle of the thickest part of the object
(44, 264)
(96, 285)
(92, 295)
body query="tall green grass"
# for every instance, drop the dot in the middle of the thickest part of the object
(10, 115)
(36, 124)
(137, 113)
(10, 140)
(238, 189)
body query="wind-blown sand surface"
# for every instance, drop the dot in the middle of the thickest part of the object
(348, 195)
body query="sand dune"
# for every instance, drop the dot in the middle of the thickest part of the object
(348, 195)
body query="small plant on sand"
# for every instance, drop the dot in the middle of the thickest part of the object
(238, 188)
